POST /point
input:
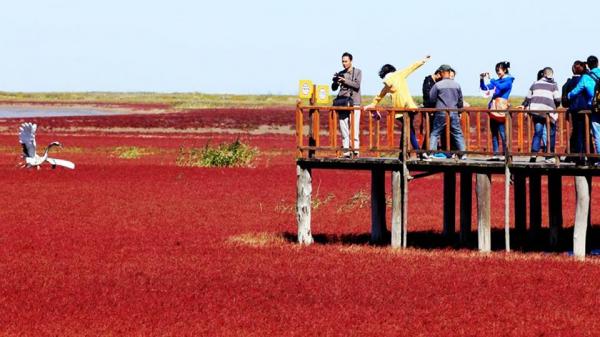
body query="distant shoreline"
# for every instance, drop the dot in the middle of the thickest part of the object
(178, 101)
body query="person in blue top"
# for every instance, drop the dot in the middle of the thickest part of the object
(502, 86)
(586, 87)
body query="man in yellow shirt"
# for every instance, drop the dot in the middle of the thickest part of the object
(394, 83)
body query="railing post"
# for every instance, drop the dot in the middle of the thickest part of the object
(311, 131)
(587, 133)
(427, 131)
(479, 147)
(299, 128)
(448, 144)
(370, 127)
(352, 127)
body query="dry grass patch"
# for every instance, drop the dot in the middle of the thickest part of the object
(258, 239)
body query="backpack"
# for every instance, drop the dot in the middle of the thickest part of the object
(596, 97)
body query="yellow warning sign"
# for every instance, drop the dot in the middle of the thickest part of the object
(323, 94)
(305, 89)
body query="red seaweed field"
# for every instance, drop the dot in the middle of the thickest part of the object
(142, 246)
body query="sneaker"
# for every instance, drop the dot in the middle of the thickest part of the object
(463, 157)
(551, 160)
(425, 157)
(439, 156)
(346, 155)
(532, 159)
(597, 164)
(356, 154)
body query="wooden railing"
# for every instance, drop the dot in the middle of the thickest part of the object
(313, 140)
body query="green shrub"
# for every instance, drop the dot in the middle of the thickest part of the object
(236, 154)
(130, 152)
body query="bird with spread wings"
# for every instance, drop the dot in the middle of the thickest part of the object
(32, 159)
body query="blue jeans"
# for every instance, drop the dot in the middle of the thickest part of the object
(413, 135)
(497, 128)
(596, 131)
(540, 125)
(439, 124)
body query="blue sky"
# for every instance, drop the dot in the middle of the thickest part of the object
(265, 47)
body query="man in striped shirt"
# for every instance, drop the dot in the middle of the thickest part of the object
(543, 95)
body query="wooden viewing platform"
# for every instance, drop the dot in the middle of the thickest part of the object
(405, 165)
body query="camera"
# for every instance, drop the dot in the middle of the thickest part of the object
(336, 75)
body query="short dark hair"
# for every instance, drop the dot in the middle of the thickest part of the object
(579, 64)
(505, 65)
(386, 69)
(592, 62)
(540, 74)
(347, 54)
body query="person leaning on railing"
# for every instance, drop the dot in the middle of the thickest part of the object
(502, 86)
(428, 83)
(586, 87)
(446, 94)
(394, 83)
(575, 104)
(543, 95)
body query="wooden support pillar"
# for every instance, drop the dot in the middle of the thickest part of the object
(535, 205)
(582, 210)
(555, 208)
(507, 205)
(303, 204)
(483, 192)
(449, 204)
(378, 226)
(397, 210)
(519, 186)
(466, 204)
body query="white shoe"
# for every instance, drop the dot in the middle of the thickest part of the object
(550, 160)
(463, 157)
(425, 157)
(346, 155)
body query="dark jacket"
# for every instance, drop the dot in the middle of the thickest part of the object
(351, 88)
(577, 102)
(428, 83)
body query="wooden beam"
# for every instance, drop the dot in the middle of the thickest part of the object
(378, 226)
(535, 205)
(483, 192)
(555, 208)
(582, 209)
(303, 204)
(449, 226)
(466, 205)
(397, 230)
(520, 200)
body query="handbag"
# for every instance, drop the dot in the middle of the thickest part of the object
(499, 104)
(343, 101)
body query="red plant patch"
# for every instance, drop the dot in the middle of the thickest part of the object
(143, 247)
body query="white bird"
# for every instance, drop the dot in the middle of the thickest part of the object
(32, 159)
